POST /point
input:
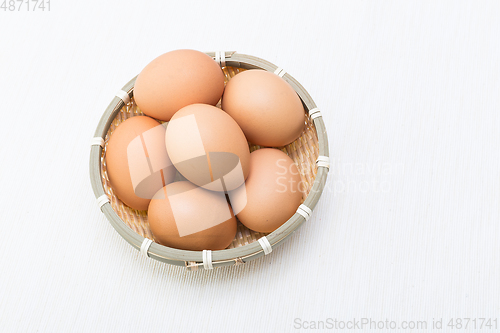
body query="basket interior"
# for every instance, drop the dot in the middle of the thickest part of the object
(304, 151)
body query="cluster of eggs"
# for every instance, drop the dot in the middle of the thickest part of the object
(188, 163)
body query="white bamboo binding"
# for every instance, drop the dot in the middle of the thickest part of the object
(207, 259)
(314, 113)
(266, 246)
(146, 243)
(97, 141)
(323, 161)
(280, 72)
(102, 200)
(305, 211)
(123, 95)
(220, 58)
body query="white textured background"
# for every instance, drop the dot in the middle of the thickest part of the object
(408, 227)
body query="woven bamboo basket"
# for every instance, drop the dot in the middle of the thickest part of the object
(309, 152)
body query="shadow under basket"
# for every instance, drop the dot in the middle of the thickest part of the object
(309, 152)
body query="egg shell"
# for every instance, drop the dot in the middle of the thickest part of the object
(187, 217)
(266, 107)
(176, 79)
(134, 146)
(208, 147)
(272, 192)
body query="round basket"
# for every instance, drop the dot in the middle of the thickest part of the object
(309, 152)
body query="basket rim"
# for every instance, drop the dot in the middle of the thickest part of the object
(194, 259)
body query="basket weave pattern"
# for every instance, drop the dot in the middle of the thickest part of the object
(304, 151)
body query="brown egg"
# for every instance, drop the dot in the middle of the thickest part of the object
(137, 161)
(187, 217)
(208, 147)
(272, 192)
(265, 106)
(176, 79)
